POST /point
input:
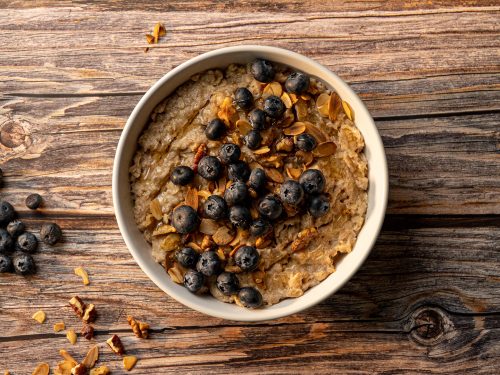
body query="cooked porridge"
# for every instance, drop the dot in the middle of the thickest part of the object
(250, 183)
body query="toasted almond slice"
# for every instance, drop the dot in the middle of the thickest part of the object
(204, 194)
(243, 126)
(348, 110)
(262, 150)
(64, 368)
(159, 30)
(71, 336)
(284, 144)
(334, 105)
(163, 229)
(240, 236)
(223, 236)
(155, 208)
(273, 88)
(301, 110)
(322, 100)
(80, 271)
(296, 129)
(195, 246)
(316, 132)
(39, 316)
(175, 274)
(68, 357)
(91, 357)
(206, 242)
(129, 362)
(59, 326)
(235, 249)
(285, 98)
(305, 97)
(293, 172)
(171, 242)
(208, 226)
(287, 121)
(293, 98)
(221, 254)
(325, 149)
(192, 198)
(275, 175)
(101, 370)
(41, 369)
(305, 156)
(150, 38)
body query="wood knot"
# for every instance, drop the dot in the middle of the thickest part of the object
(12, 135)
(428, 325)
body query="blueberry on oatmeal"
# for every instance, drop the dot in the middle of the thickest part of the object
(291, 193)
(297, 83)
(215, 207)
(260, 227)
(228, 283)
(257, 118)
(250, 297)
(215, 129)
(229, 153)
(318, 205)
(262, 70)
(253, 139)
(240, 217)
(239, 171)
(182, 175)
(270, 207)
(274, 107)
(243, 98)
(236, 193)
(193, 280)
(185, 219)
(247, 258)
(257, 179)
(209, 168)
(209, 263)
(306, 142)
(187, 257)
(312, 181)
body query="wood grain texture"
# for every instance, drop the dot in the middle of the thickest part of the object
(427, 300)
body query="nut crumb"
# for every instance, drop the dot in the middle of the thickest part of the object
(78, 305)
(90, 314)
(87, 331)
(79, 369)
(68, 357)
(59, 326)
(129, 362)
(41, 369)
(101, 370)
(71, 336)
(140, 329)
(80, 271)
(39, 316)
(91, 357)
(304, 238)
(115, 344)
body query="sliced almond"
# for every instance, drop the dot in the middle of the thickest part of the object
(171, 242)
(305, 156)
(59, 327)
(284, 144)
(316, 132)
(163, 229)
(274, 175)
(296, 129)
(301, 110)
(243, 126)
(155, 208)
(348, 110)
(287, 101)
(293, 98)
(91, 357)
(150, 38)
(68, 357)
(262, 150)
(223, 236)
(334, 105)
(192, 198)
(71, 336)
(175, 274)
(221, 254)
(129, 362)
(293, 173)
(322, 104)
(101, 370)
(273, 88)
(325, 149)
(204, 194)
(208, 226)
(41, 369)
(64, 368)
(80, 271)
(39, 316)
(195, 246)
(206, 242)
(287, 120)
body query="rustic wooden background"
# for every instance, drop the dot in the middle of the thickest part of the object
(428, 298)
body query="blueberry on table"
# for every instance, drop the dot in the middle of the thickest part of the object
(33, 201)
(209, 168)
(318, 205)
(187, 257)
(291, 193)
(193, 280)
(5, 264)
(7, 212)
(257, 179)
(257, 118)
(262, 70)
(236, 193)
(50, 233)
(215, 129)
(239, 171)
(270, 207)
(253, 139)
(243, 98)
(274, 107)
(24, 264)
(26, 242)
(228, 283)
(306, 142)
(297, 83)
(182, 175)
(312, 181)
(240, 217)
(15, 228)
(250, 297)
(185, 219)
(209, 263)
(215, 207)
(229, 153)
(260, 227)
(6, 241)
(247, 258)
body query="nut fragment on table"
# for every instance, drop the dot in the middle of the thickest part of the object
(91, 357)
(140, 329)
(59, 326)
(115, 344)
(101, 370)
(68, 357)
(71, 336)
(41, 369)
(80, 271)
(129, 362)
(89, 314)
(39, 316)
(87, 331)
(79, 369)
(78, 306)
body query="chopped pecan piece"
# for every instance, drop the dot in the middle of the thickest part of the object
(304, 238)
(87, 331)
(79, 369)
(90, 314)
(115, 344)
(78, 306)
(140, 329)
(200, 152)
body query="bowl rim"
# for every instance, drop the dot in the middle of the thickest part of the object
(375, 142)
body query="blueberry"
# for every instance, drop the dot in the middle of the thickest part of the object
(262, 70)
(193, 280)
(209, 168)
(243, 98)
(26, 242)
(260, 227)
(6, 242)
(240, 216)
(318, 205)
(250, 297)
(15, 228)
(24, 264)
(274, 107)
(236, 193)
(297, 83)
(185, 219)
(239, 171)
(215, 207)
(253, 139)
(209, 263)
(306, 142)
(50, 233)
(33, 201)
(228, 283)
(182, 175)
(291, 193)
(187, 257)
(257, 118)
(7, 213)
(5, 263)
(247, 258)
(257, 179)
(270, 207)
(312, 181)
(229, 153)
(215, 129)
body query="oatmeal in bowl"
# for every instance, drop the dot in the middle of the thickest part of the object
(250, 182)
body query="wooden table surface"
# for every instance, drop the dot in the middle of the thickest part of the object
(427, 300)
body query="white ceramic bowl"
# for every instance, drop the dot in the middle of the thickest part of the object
(141, 250)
